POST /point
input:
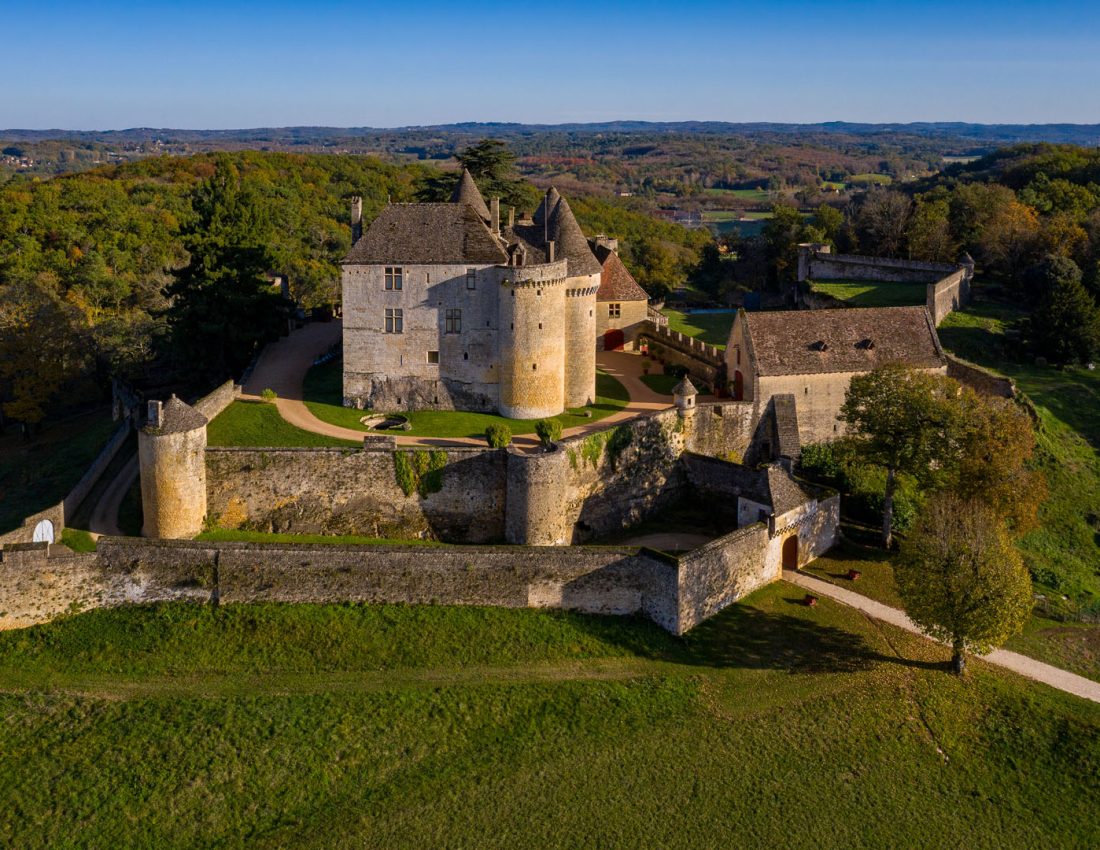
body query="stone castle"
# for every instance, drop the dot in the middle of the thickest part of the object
(445, 307)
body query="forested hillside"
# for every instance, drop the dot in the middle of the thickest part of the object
(85, 258)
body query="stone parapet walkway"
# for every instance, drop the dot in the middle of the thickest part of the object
(284, 364)
(1037, 671)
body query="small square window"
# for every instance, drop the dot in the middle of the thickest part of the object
(395, 277)
(433, 356)
(614, 311)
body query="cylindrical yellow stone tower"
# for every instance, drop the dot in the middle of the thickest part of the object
(580, 336)
(172, 458)
(532, 341)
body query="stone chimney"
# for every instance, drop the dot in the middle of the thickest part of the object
(356, 218)
(550, 251)
(511, 217)
(608, 242)
(494, 214)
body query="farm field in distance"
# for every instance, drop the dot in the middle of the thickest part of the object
(393, 726)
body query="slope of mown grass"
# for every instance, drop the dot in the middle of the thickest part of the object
(711, 328)
(1070, 645)
(392, 726)
(866, 293)
(324, 393)
(257, 423)
(1064, 554)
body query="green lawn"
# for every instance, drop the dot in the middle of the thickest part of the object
(1064, 554)
(77, 539)
(663, 384)
(1073, 646)
(231, 534)
(773, 725)
(867, 293)
(323, 391)
(711, 328)
(40, 472)
(258, 423)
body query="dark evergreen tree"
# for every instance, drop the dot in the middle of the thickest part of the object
(222, 307)
(1065, 327)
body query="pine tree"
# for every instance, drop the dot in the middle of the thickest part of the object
(1066, 323)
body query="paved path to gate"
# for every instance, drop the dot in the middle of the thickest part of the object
(1056, 677)
(284, 364)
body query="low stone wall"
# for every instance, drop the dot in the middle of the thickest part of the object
(948, 294)
(55, 514)
(40, 582)
(356, 491)
(704, 363)
(718, 574)
(981, 381)
(215, 402)
(829, 266)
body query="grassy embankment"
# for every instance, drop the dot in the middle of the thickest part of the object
(393, 726)
(258, 423)
(865, 293)
(323, 391)
(711, 328)
(40, 472)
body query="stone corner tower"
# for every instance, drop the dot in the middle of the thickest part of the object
(172, 458)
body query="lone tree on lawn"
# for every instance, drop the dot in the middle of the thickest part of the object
(902, 420)
(961, 579)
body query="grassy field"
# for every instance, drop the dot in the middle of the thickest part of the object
(40, 472)
(323, 392)
(663, 384)
(77, 539)
(392, 726)
(751, 196)
(257, 423)
(711, 328)
(1073, 646)
(870, 180)
(231, 534)
(1064, 554)
(866, 293)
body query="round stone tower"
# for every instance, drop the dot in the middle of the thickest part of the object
(532, 341)
(580, 336)
(172, 458)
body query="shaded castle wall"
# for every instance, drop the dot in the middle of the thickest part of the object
(580, 329)
(356, 491)
(948, 294)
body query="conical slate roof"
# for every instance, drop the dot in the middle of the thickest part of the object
(466, 192)
(546, 208)
(570, 240)
(177, 416)
(685, 387)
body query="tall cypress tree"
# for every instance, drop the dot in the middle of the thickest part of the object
(222, 307)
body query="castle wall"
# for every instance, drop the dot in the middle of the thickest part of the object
(718, 574)
(532, 341)
(391, 371)
(173, 482)
(827, 266)
(978, 379)
(580, 329)
(948, 294)
(356, 491)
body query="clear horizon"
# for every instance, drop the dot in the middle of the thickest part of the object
(241, 65)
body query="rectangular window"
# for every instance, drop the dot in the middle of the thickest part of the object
(395, 320)
(433, 356)
(395, 277)
(614, 311)
(471, 278)
(454, 322)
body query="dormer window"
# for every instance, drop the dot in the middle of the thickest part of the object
(395, 277)
(819, 345)
(865, 344)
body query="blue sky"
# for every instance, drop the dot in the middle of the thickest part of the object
(246, 64)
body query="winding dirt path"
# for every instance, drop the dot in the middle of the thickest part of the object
(284, 364)
(104, 517)
(1037, 671)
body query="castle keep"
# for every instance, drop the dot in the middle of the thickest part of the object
(446, 308)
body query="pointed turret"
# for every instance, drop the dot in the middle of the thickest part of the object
(570, 241)
(466, 192)
(546, 208)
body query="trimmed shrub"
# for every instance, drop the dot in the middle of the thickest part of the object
(548, 430)
(269, 394)
(498, 435)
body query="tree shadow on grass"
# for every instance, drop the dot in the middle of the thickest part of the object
(748, 638)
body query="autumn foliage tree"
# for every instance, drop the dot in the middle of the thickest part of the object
(961, 579)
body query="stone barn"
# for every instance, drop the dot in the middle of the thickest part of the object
(621, 304)
(813, 354)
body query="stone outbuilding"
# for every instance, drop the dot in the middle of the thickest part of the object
(621, 304)
(812, 355)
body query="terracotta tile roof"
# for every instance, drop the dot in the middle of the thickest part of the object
(616, 283)
(427, 233)
(807, 342)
